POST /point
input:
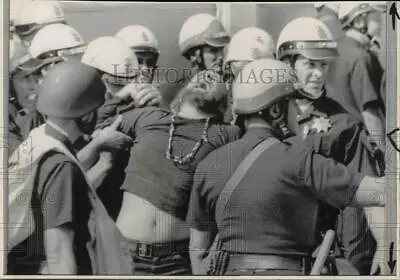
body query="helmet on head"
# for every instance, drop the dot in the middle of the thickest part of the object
(260, 84)
(70, 90)
(334, 6)
(21, 58)
(139, 38)
(19, 53)
(36, 14)
(314, 41)
(68, 42)
(348, 11)
(111, 56)
(202, 29)
(249, 44)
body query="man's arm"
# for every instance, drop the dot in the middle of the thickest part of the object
(200, 242)
(366, 96)
(373, 122)
(59, 250)
(333, 183)
(107, 138)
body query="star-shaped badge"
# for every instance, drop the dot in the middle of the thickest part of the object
(321, 124)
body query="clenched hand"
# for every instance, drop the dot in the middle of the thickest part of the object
(110, 139)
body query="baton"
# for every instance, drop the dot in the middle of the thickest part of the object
(323, 252)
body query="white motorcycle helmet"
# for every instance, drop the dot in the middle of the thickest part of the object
(113, 57)
(36, 14)
(348, 11)
(249, 44)
(314, 40)
(202, 29)
(139, 38)
(69, 42)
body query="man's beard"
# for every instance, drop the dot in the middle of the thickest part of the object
(209, 98)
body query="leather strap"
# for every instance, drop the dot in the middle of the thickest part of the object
(264, 262)
(159, 249)
(239, 173)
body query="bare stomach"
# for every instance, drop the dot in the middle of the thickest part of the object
(140, 220)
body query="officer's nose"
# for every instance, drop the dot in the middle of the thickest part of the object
(318, 71)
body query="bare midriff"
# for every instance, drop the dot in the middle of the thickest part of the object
(140, 220)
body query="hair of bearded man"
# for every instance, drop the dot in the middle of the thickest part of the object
(213, 101)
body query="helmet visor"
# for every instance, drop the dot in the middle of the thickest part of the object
(34, 64)
(26, 29)
(310, 49)
(220, 39)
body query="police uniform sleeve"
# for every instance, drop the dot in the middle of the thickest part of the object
(331, 182)
(364, 90)
(201, 210)
(63, 189)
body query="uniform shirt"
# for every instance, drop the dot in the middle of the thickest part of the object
(355, 77)
(152, 176)
(61, 199)
(274, 208)
(344, 138)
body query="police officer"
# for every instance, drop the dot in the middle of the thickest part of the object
(356, 75)
(34, 16)
(145, 45)
(202, 39)
(23, 79)
(146, 48)
(327, 12)
(60, 198)
(19, 55)
(43, 47)
(268, 224)
(120, 73)
(248, 44)
(309, 54)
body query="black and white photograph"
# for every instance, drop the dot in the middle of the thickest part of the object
(200, 138)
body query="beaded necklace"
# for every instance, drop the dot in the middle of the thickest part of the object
(189, 157)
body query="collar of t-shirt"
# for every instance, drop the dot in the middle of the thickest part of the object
(54, 131)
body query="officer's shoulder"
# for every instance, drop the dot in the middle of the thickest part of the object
(54, 159)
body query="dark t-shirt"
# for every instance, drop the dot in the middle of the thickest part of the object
(355, 78)
(274, 208)
(149, 173)
(60, 199)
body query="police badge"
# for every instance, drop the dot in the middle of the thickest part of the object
(321, 124)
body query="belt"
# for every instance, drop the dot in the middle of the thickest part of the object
(158, 249)
(265, 262)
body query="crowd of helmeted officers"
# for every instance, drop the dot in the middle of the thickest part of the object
(238, 165)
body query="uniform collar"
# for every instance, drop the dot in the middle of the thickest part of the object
(258, 133)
